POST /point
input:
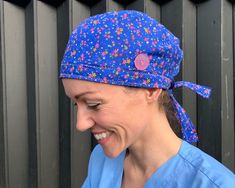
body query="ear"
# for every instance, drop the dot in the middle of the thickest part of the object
(152, 94)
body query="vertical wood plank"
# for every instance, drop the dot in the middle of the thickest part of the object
(4, 178)
(105, 6)
(138, 5)
(80, 141)
(15, 98)
(48, 132)
(227, 100)
(209, 73)
(42, 75)
(153, 9)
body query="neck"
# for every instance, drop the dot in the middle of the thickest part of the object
(157, 145)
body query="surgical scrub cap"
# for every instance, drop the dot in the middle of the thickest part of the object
(129, 48)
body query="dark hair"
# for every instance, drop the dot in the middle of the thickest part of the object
(166, 104)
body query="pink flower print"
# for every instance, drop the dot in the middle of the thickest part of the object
(83, 43)
(155, 64)
(97, 45)
(136, 75)
(71, 69)
(126, 61)
(132, 37)
(92, 30)
(119, 30)
(163, 72)
(161, 64)
(82, 57)
(115, 53)
(126, 76)
(80, 68)
(105, 80)
(146, 81)
(104, 53)
(207, 91)
(124, 16)
(73, 53)
(92, 75)
(163, 36)
(156, 85)
(68, 49)
(107, 34)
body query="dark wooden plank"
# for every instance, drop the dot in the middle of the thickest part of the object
(63, 30)
(174, 11)
(209, 73)
(31, 94)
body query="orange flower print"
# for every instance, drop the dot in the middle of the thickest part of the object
(119, 31)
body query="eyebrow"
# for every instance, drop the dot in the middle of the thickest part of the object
(81, 94)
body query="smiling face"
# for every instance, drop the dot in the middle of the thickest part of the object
(116, 117)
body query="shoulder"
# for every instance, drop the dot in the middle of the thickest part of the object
(205, 168)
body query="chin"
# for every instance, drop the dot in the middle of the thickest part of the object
(111, 154)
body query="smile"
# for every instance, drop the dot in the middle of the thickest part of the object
(101, 136)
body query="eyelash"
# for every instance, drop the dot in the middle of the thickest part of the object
(93, 107)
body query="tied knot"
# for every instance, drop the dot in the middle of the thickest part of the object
(172, 85)
(188, 129)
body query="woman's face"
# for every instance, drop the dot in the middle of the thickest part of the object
(117, 117)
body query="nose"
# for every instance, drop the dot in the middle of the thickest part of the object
(84, 119)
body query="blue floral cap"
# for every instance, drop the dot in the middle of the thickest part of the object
(129, 48)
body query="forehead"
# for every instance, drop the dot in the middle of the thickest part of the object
(75, 87)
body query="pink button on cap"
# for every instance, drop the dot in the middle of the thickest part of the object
(141, 61)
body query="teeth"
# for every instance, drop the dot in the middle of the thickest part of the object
(101, 135)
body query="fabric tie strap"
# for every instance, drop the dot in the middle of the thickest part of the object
(188, 129)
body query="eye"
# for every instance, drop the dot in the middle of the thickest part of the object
(93, 105)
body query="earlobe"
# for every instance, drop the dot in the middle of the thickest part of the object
(153, 94)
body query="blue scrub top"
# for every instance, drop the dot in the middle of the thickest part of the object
(189, 168)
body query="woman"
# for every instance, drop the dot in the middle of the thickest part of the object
(119, 69)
